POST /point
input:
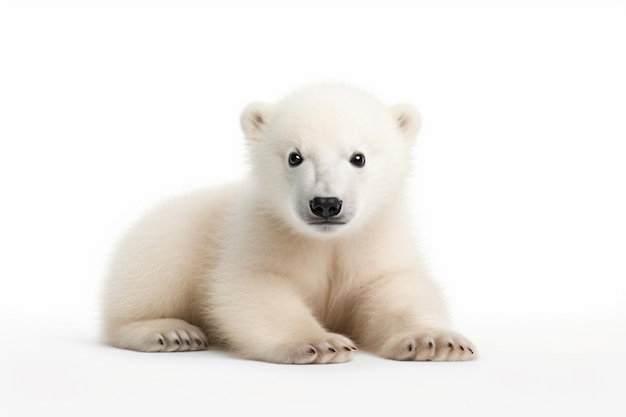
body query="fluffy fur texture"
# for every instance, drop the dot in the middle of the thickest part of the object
(251, 266)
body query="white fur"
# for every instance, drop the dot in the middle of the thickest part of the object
(241, 265)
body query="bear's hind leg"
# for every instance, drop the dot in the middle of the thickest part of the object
(159, 335)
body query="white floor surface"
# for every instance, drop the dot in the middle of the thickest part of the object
(562, 369)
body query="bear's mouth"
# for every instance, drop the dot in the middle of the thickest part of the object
(326, 222)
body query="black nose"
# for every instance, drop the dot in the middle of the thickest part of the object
(325, 207)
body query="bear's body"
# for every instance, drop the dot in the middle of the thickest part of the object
(306, 259)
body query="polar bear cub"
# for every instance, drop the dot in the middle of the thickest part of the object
(307, 259)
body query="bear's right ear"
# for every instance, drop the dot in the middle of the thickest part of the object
(253, 118)
(407, 119)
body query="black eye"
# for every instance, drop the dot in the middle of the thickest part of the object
(294, 159)
(358, 160)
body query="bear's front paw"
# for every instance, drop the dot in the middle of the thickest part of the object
(162, 335)
(332, 348)
(430, 346)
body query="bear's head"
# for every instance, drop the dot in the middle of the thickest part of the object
(328, 158)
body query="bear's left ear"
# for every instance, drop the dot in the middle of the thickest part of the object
(253, 118)
(407, 119)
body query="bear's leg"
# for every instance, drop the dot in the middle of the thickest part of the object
(267, 320)
(404, 319)
(159, 335)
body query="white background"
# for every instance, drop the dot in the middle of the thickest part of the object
(519, 186)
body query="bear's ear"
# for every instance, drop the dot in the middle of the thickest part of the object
(253, 117)
(407, 119)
